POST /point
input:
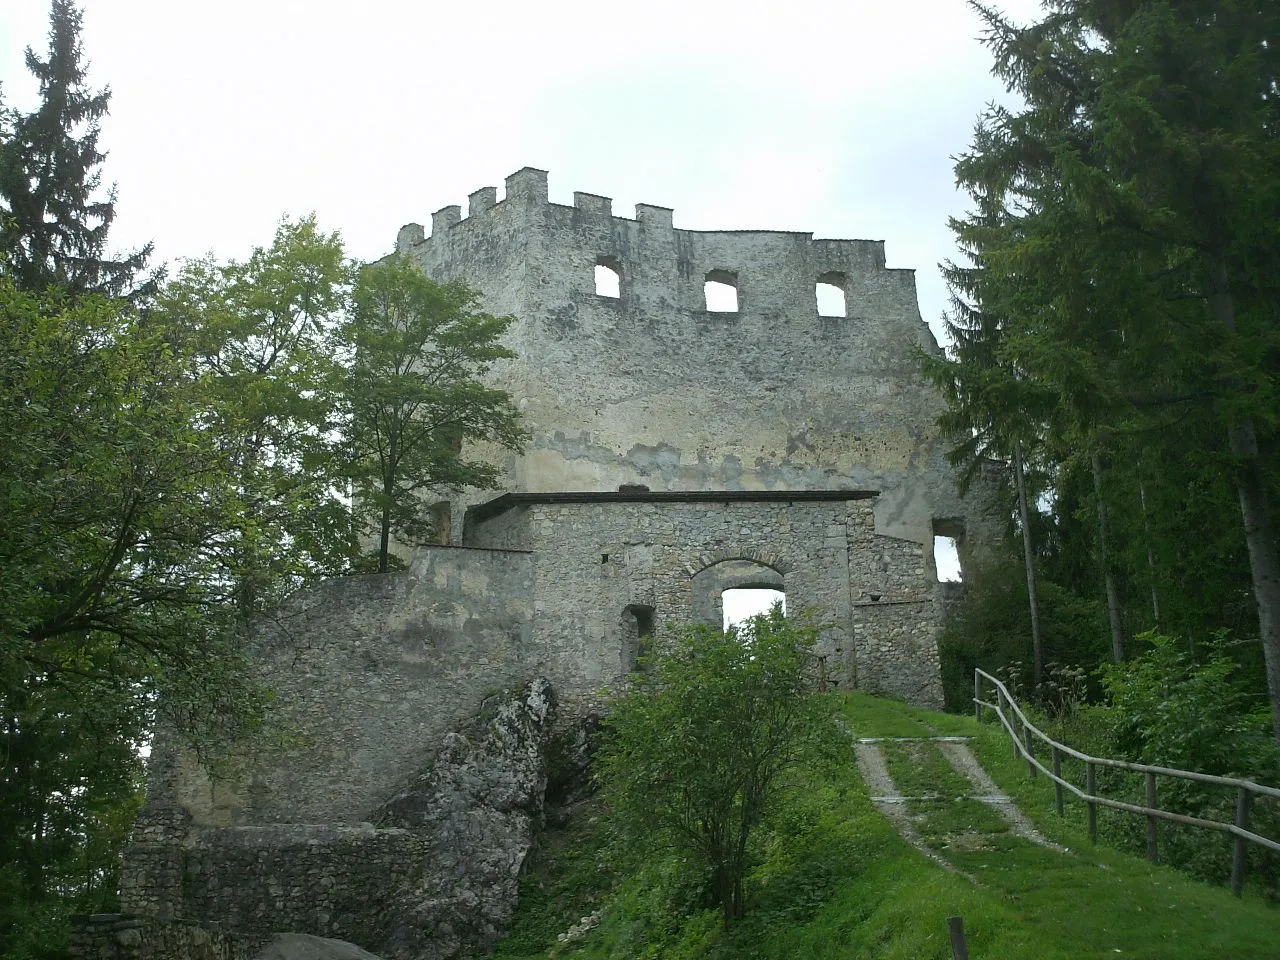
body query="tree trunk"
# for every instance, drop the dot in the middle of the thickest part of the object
(1264, 559)
(388, 486)
(1255, 511)
(1151, 560)
(1028, 554)
(1108, 579)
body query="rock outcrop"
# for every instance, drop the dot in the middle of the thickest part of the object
(481, 806)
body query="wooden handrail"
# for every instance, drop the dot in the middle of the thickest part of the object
(1024, 747)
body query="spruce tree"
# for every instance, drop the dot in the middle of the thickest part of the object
(1141, 175)
(54, 218)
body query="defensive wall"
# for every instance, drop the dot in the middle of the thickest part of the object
(676, 451)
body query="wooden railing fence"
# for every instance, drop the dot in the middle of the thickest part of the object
(1024, 745)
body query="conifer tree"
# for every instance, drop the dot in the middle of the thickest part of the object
(996, 414)
(54, 217)
(1144, 175)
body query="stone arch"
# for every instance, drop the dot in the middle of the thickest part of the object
(775, 561)
(735, 572)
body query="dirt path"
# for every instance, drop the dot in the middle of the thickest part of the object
(885, 796)
(966, 764)
(889, 800)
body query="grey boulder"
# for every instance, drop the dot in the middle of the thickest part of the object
(301, 946)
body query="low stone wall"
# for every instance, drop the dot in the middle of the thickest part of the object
(434, 876)
(331, 881)
(122, 936)
(371, 672)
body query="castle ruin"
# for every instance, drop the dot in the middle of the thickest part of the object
(676, 451)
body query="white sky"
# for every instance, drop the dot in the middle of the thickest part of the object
(740, 605)
(836, 116)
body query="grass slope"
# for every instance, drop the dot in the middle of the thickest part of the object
(835, 880)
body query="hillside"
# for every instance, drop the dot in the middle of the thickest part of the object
(835, 879)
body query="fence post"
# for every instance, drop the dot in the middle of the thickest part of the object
(1091, 788)
(1031, 749)
(955, 926)
(1013, 726)
(1153, 852)
(1239, 856)
(1057, 779)
(977, 695)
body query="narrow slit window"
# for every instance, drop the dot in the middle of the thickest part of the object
(637, 636)
(608, 278)
(831, 296)
(721, 291)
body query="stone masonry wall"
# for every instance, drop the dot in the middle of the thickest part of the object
(434, 876)
(593, 559)
(371, 672)
(652, 388)
(114, 936)
(331, 881)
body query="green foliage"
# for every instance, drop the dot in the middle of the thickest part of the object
(115, 565)
(53, 222)
(695, 750)
(1118, 305)
(259, 337)
(414, 396)
(833, 879)
(989, 628)
(1168, 709)
(566, 878)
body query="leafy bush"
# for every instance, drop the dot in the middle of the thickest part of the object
(1167, 709)
(692, 755)
(991, 628)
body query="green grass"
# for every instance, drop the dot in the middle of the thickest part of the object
(868, 716)
(919, 769)
(834, 880)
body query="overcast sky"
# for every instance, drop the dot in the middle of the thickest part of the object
(836, 116)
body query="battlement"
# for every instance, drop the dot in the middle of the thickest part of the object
(528, 187)
(504, 244)
(691, 360)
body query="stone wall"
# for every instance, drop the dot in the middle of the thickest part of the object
(115, 936)
(597, 555)
(651, 388)
(331, 881)
(435, 875)
(371, 672)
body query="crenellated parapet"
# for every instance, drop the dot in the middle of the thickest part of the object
(699, 359)
(773, 271)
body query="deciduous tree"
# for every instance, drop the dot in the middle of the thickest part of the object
(121, 514)
(415, 397)
(260, 336)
